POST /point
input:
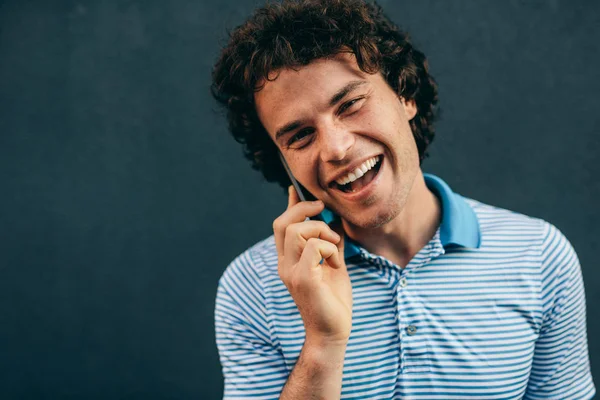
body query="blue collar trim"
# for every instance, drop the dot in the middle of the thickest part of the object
(459, 225)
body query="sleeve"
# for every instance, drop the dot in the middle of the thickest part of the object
(252, 365)
(561, 367)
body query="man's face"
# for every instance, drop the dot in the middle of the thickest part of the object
(328, 119)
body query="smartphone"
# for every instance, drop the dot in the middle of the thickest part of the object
(303, 194)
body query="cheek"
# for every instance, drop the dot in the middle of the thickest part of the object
(304, 169)
(386, 114)
(381, 125)
(370, 119)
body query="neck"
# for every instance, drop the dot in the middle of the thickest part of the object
(401, 239)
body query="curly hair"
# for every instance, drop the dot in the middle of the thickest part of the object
(293, 33)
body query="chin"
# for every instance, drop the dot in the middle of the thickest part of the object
(378, 215)
(372, 219)
(375, 221)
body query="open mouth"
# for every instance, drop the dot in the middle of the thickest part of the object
(359, 178)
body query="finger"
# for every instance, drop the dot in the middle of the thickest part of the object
(296, 236)
(314, 252)
(293, 197)
(298, 213)
(309, 270)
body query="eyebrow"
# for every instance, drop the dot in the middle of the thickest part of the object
(336, 98)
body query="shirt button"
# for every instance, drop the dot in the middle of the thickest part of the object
(411, 329)
(403, 282)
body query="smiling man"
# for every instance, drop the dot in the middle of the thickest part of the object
(344, 120)
(411, 290)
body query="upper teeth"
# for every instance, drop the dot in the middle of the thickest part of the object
(358, 172)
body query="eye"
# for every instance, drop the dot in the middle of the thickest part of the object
(299, 137)
(349, 105)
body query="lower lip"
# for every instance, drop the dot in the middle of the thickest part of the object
(367, 190)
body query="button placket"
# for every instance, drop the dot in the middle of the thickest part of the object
(400, 319)
(413, 359)
(403, 320)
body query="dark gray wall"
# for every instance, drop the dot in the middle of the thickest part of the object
(122, 197)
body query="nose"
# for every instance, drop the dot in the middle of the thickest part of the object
(336, 141)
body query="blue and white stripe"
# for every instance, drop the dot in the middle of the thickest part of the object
(493, 307)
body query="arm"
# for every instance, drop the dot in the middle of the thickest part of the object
(252, 366)
(311, 265)
(317, 374)
(561, 368)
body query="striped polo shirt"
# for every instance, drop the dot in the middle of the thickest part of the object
(493, 307)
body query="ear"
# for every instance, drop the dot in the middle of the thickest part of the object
(410, 107)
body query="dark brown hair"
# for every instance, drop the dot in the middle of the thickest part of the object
(291, 34)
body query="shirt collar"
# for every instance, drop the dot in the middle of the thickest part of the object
(459, 225)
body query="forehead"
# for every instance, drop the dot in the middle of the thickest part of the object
(293, 94)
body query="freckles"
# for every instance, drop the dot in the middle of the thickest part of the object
(302, 166)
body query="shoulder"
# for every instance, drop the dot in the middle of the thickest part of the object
(252, 267)
(553, 249)
(498, 223)
(492, 218)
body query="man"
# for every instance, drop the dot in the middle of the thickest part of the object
(412, 291)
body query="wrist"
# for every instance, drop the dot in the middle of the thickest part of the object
(325, 352)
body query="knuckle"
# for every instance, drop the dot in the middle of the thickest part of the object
(296, 282)
(282, 274)
(330, 248)
(322, 225)
(291, 230)
(325, 228)
(313, 243)
(277, 224)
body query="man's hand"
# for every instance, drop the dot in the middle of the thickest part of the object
(322, 291)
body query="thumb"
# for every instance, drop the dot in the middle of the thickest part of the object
(292, 197)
